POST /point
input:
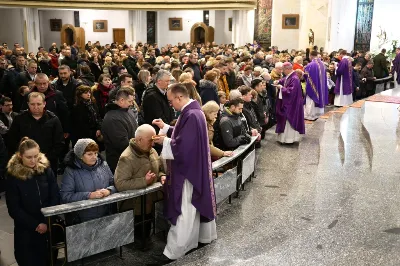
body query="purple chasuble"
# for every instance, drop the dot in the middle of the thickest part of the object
(396, 67)
(192, 161)
(344, 73)
(317, 84)
(290, 107)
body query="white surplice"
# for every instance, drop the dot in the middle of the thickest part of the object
(290, 135)
(188, 231)
(343, 100)
(310, 111)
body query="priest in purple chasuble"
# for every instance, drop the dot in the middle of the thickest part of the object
(189, 196)
(316, 88)
(289, 107)
(396, 66)
(344, 81)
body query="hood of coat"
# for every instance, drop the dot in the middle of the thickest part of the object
(75, 163)
(204, 83)
(20, 171)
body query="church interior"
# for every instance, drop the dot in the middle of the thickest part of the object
(330, 198)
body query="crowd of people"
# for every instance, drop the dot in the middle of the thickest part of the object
(189, 104)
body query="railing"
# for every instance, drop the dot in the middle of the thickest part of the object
(78, 238)
(381, 84)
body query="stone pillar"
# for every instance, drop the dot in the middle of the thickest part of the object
(138, 26)
(30, 18)
(243, 27)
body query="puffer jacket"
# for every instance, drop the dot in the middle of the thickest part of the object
(208, 91)
(29, 190)
(131, 171)
(79, 180)
(232, 129)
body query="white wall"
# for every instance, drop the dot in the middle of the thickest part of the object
(11, 26)
(386, 15)
(189, 17)
(343, 15)
(47, 36)
(222, 33)
(284, 38)
(116, 19)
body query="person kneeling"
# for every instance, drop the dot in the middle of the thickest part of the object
(87, 176)
(138, 167)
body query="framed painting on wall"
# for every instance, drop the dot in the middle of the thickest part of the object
(290, 21)
(55, 24)
(100, 26)
(230, 24)
(175, 23)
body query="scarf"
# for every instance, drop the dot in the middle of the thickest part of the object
(247, 80)
(104, 94)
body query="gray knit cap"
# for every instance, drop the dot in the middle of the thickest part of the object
(80, 146)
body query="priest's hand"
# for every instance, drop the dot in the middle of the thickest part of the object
(159, 123)
(278, 87)
(159, 139)
(150, 177)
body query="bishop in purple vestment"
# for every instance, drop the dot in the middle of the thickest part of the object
(344, 81)
(396, 65)
(289, 107)
(189, 196)
(316, 87)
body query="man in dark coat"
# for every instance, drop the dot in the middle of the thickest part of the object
(67, 85)
(193, 64)
(42, 126)
(119, 126)
(55, 101)
(8, 85)
(380, 65)
(367, 80)
(28, 75)
(69, 61)
(130, 64)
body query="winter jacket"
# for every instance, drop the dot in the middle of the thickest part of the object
(119, 126)
(369, 75)
(251, 117)
(231, 129)
(8, 84)
(155, 105)
(73, 64)
(44, 65)
(133, 165)
(79, 180)
(130, 64)
(68, 90)
(55, 103)
(87, 80)
(380, 66)
(23, 78)
(263, 106)
(29, 190)
(208, 91)
(96, 70)
(46, 131)
(86, 121)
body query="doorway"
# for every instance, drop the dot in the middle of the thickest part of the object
(119, 35)
(199, 35)
(71, 34)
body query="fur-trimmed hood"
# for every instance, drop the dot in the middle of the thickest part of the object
(19, 171)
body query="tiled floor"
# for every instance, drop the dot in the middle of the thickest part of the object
(333, 199)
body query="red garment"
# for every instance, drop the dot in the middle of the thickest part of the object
(298, 66)
(54, 61)
(104, 94)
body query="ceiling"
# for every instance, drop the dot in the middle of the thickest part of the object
(156, 5)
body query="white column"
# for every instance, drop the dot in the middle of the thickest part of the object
(242, 27)
(138, 26)
(30, 16)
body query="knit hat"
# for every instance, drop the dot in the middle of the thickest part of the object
(80, 146)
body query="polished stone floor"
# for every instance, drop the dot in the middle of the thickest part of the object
(333, 199)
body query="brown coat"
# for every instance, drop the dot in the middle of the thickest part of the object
(130, 174)
(215, 152)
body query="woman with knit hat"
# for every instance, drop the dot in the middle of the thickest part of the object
(87, 176)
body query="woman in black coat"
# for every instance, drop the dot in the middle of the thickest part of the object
(31, 185)
(86, 121)
(208, 87)
(95, 67)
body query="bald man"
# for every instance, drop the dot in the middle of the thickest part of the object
(138, 167)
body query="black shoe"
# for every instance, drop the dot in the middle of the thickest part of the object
(161, 259)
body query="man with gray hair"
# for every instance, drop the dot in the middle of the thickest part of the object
(140, 166)
(155, 104)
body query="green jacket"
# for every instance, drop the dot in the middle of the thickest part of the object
(380, 66)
